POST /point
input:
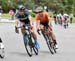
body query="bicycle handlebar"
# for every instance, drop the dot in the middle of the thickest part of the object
(26, 26)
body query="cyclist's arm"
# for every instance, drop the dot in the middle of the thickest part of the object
(37, 22)
(48, 18)
(17, 23)
(50, 24)
(30, 18)
(17, 20)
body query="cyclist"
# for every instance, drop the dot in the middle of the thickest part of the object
(1, 11)
(1, 44)
(42, 19)
(24, 18)
(71, 18)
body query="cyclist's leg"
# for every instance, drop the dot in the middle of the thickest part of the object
(51, 34)
(49, 28)
(22, 28)
(33, 33)
(16, 25)
(35, 38)
(25, 39)
(46, 24)
(42, 29)
(24, 36)
(42, 25)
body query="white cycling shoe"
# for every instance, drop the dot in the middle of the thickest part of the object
(1, 45)
(56, 46)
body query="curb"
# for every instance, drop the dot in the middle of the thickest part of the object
(7, 21)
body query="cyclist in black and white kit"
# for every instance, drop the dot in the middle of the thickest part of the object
(24, 18)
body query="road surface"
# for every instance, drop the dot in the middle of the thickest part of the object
(15, 51)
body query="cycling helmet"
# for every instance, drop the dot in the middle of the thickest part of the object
(21, 7)
(39, 9)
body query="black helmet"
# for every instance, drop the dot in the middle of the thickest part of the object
(21, 7)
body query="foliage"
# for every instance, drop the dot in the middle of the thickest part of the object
(54, 5)
(32, 14)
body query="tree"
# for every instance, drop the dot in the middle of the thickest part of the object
(54, 5)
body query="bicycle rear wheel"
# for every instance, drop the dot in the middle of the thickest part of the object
(35, 50)
(2, 53)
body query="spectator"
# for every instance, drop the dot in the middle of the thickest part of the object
(71, 18)
(11, 13)
(1, 11)
(55, 19)
(14, 10)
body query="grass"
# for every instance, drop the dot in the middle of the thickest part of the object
(74, 20)
(6, 15)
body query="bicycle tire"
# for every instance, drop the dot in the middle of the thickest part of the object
(65, 26)
(54, 49)
(2, 53)
(35, 50)
(27, 46)
(49, 44)
(30, 54)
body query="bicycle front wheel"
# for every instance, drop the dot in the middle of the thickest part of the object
(48, 41)
(27, 46)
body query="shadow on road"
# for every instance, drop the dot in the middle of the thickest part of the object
(46, 52)
(18, 53)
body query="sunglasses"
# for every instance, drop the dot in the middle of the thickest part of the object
(40, 12)
(21, 10)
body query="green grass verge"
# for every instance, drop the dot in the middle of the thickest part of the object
(6, 15)
(74, 20)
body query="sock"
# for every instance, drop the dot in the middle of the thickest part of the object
(0, 40)
(55, 41)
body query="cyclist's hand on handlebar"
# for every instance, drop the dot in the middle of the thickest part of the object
(16, 30)
(38, 31)
(31, 25)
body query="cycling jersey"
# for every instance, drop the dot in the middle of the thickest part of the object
(44, 18)
(23, 18)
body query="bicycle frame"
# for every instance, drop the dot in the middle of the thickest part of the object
(28, 42)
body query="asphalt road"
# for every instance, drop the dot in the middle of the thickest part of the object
(15, 51)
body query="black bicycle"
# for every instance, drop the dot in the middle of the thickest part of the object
(28, 40)
(2, 53)
(48, 39)
(1, 49)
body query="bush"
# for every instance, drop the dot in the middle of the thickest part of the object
(32, 14)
